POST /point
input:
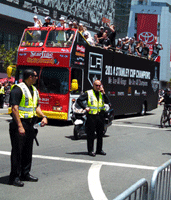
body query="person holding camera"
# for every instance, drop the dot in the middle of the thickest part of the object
(96, 98)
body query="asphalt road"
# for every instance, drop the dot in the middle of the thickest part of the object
(135, 146)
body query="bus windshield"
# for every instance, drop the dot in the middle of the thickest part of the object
(34, 38)
(60, 38)
(54, 80)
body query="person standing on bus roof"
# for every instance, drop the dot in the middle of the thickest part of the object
(24, 101)
(47, 22)
(96, 98)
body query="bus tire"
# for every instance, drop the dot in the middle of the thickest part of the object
(76, 132)
(143, 110)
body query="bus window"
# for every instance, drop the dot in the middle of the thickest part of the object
(54, 80)
(60, 38)
(33, 38)
(19, 73)
(77, 74)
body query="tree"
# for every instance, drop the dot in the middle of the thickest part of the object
(8, 57)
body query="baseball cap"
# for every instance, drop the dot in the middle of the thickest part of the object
(47, 17)
(119, 39)
(70, 23)
(61, 18)
(35, 17)
(101, 27)
(86, 33)
(126, 37)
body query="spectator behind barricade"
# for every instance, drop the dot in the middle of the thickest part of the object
(106, 41)
(126, 45)
(81, 28)
(61, 22)
(88, 38)
(132, 46)
(75, 24)
(100, 35)
(139, 48)
(145, 51)
(156, 48)
(112, 34)
(119, 45)
(47, 22)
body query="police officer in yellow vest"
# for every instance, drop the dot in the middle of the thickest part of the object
(2, 92)
(24, 101)
(96, 98)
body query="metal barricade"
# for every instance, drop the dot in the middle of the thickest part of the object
(160, 182)
(138, 191)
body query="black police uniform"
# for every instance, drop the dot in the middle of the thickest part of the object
(94, 123)
(22, 146)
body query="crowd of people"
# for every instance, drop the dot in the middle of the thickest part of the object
(106, 38)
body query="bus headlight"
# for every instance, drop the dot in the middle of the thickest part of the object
(57, 108)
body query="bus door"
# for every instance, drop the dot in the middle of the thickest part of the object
(77, 80)
(54, 92)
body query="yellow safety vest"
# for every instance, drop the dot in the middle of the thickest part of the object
(28, 104)
(2, 91)
(95, 105)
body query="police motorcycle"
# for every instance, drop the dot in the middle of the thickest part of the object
(79, 119)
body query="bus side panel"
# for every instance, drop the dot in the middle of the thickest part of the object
(129, 81)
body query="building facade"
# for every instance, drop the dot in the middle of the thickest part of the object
(161, 9)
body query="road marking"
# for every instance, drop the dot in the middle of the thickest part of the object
(6, 117)
(116, 120)
(145, 127)
(88, 161)
(94, 172)
(94, 184)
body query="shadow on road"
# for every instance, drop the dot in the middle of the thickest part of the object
(78, 153)
(4, 180)
(168, 154)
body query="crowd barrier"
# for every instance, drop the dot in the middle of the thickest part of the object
(160, 183)
(160, 187)
(137, 191)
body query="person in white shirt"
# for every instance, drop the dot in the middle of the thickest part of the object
(88, 37)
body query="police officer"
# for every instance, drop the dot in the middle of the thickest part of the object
(2, 92)
(24, 101)
(95, 98)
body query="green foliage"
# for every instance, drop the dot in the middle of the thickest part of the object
(8, 57)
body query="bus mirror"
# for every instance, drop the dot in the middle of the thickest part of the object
(74, 84)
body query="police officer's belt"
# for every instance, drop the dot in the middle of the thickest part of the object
(29, 120)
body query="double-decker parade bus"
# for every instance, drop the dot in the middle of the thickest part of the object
(67, 65)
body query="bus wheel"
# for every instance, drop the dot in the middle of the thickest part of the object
(76, 131)
(143, 109)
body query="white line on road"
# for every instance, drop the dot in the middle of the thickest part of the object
(130, 118)
(94, 171)
(88, 161)
(5, 117)
(94, 182)
(145, 127)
